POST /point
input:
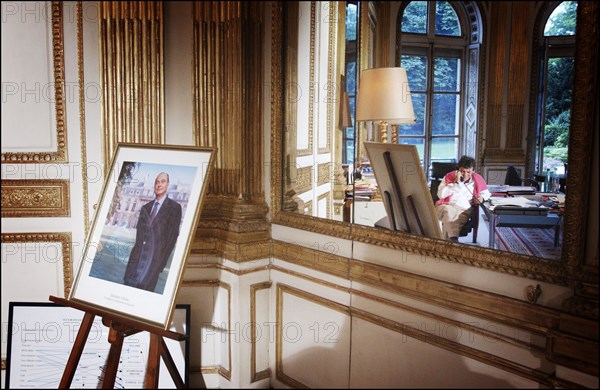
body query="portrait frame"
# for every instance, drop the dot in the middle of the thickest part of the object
(126, 238)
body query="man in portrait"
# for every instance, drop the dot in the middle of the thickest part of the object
(156, 234)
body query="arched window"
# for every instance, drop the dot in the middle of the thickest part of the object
(555, 51)
(439, 45)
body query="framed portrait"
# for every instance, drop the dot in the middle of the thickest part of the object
(41, 336)
(140, 237)
(403, 187)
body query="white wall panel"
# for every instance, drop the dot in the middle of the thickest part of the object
(382, 358)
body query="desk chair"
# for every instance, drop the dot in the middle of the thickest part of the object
(513, 179)
(438, 171)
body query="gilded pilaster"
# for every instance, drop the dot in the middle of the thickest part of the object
(132, 73)
(227, 92)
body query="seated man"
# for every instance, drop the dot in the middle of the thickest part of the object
(458, 191)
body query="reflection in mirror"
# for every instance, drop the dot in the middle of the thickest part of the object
(320, 65)
(465, 103)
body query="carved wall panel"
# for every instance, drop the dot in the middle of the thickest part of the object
(42, 89)
(132, 74)
(35, 198)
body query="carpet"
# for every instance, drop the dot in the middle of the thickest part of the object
(527, 241)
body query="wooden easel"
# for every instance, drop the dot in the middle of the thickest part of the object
(398, 197)
(119, 328)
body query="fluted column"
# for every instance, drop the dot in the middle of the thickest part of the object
(228, 85)
(132, 75)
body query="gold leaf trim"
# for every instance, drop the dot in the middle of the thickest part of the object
(35, 198)
(58, 57)
(256, 376)
(63, 238)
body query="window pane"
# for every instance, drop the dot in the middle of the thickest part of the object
(416, 71)
(444, 149)
(351, 78)
(558, 112)
(351, 18)
(414, 18)
(563, 20)
(349, 152)
(418, 142)
(446, 21)
(352, 101)
(445, 114)
(446, 74)
(418, 101)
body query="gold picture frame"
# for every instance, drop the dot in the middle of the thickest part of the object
(135, 253)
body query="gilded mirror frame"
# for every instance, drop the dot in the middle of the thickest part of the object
(567, 272)
(59, 95)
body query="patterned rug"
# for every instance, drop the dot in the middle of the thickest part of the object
(532, 242)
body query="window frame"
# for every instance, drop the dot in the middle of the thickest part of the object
(544, 47)
(434, 46)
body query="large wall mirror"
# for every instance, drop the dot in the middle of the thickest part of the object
(480, 107)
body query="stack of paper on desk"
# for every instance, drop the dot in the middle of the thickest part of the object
(518, 201)
(511, 189)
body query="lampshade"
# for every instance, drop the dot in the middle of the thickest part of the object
(345, 118)
(383, 95)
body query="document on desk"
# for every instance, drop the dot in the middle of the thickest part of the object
(516, 201)
(494, 188)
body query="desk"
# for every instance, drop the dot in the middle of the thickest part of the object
(521, 217)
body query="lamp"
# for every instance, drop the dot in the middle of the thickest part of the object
(384, 95)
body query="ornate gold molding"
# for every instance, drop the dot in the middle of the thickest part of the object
(63, 238)
(308, 208)
(225, 373)
(35, 198)
(58, 61)
(304, 179)
(132, 74)
(331, 88)
(325, 173)
(227, 114)
(469, 300)
(277, 140)
(545, 270)
(534, 318)
(312, 258)
(82, 130)
(256, 376)
(327, 197)
(311, 85)
(230, 249)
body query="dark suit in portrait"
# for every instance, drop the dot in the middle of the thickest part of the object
(154, 242)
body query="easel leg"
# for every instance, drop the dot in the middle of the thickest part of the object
(112, 364)
(82, 335)
(151, 381)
